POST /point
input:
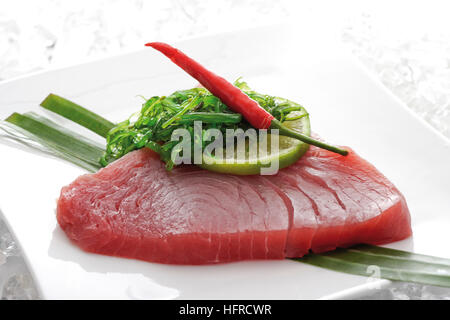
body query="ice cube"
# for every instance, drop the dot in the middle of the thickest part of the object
(19, 287)
(8, 246)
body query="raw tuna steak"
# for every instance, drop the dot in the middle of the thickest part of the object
(134, 208)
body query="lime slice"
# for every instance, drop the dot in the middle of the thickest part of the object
(288, 152)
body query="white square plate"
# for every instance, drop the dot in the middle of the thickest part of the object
(346, 106)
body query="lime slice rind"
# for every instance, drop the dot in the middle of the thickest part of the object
(290, 151)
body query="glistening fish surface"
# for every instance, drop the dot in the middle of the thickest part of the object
(135, 208)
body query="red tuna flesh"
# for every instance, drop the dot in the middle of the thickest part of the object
(134, 208)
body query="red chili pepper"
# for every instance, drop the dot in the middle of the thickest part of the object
(230, 95)
(233, 97)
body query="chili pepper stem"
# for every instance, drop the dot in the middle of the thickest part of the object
(283, 131)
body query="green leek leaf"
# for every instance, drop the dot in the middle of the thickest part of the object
(78, 114)
(58, 139)
(392, 264)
